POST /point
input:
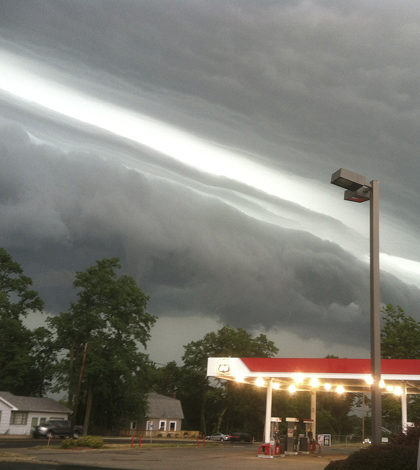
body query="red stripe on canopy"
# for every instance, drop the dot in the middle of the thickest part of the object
(331, 365)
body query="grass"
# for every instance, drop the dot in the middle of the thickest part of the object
(12, 456)
(135, 446)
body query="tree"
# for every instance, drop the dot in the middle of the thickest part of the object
(22, 372)
(110, 317)
(226, 342)
(391, 412)
(166, 380)
(400, 335)
(16, 296)
(334, 417)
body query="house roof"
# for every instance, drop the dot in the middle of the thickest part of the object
(46, 405)
(164, 407)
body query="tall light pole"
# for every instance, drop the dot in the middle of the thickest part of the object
(357, 190)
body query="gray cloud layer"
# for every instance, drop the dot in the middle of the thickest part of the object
(192, 253)
(334, 82)
(303, 87)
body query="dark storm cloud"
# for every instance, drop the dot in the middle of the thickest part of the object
(336, 80)
(276, 60)
(301, 86)
(192, 253)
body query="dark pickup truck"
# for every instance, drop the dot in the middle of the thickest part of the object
(59, 427)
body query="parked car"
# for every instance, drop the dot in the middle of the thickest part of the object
(59, 427)
(241, 436)
(218, 436)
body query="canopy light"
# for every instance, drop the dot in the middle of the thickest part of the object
(276, 386)
(260, 382)
(314, 382)
(382, 384)
(389, 388)
(298, 378)
(361, 195)
(327, 386)
(348, 180)
(369, 380)
(398, 391)
(292, 388)
(340, 389)
(240, 378)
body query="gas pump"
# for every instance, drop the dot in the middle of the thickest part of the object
(306, 443)
(292, 436)
(273, 447)
(275, 435)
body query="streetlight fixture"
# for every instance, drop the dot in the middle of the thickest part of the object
(357, 190)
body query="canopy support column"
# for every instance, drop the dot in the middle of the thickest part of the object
(313, 412)
(404, 406)
(268, 411)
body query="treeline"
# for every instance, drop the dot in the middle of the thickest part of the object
(100, 334)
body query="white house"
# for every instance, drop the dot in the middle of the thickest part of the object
(20, 415)
(164, 414)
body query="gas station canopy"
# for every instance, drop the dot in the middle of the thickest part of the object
(330, 374)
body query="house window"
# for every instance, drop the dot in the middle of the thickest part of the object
(133, 425)
(34, 422)
(172, 426)
(162, 426)
(19, 417)
(42, 420)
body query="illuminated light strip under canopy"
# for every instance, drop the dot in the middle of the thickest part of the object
(350, 373)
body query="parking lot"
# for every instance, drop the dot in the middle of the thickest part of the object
(241, 457)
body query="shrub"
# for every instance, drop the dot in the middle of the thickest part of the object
(90, 441)
(387, 457)
(68, 443)
(409, 438)
(335, 465)
(86, 441)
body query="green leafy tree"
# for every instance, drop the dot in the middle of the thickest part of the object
(213, 402)
(400, 334)
(228, 341)
(44, 354)
(166, 380)
(109, 316)
(334, 418)
(17, 298)
(246, 411)
(391, 412)
(24, 369)
(400, 339)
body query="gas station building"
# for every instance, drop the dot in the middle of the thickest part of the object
(399, 376)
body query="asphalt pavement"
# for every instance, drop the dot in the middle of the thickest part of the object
(233, 457)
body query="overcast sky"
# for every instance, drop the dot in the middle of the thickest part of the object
(195, 140)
